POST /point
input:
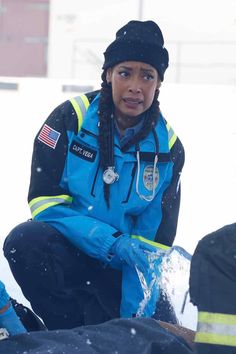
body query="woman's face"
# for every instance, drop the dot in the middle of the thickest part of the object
(133, 87)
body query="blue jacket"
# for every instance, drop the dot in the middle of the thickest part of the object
(66, 187)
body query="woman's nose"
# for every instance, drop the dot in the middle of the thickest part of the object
(135, 87)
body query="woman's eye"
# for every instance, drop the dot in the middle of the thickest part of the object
(123, 73)
(148, 77)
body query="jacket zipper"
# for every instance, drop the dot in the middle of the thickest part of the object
(131, 183)
(94, 181)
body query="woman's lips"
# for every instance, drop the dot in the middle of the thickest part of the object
(132, 102)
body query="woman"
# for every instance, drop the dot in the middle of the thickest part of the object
(104, 194)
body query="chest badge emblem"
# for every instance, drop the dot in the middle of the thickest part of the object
(148, 178)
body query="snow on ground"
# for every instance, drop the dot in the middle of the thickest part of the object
(202, 116)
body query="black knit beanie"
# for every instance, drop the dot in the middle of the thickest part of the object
(138, 41)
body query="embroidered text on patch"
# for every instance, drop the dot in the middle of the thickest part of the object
(83, 151)
(49, 136)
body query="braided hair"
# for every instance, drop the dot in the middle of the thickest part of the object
(105, 110)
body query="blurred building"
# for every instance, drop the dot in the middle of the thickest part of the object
(199, 35)
(24, 37)
(66, 39)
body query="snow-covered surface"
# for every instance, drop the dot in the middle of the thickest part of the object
(203, 117)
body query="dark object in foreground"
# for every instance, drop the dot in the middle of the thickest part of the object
(213, 291)
(124, 336)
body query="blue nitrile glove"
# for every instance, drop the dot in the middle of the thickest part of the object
(141, 290)
(116, 263)
(8, 317)
(132, 251)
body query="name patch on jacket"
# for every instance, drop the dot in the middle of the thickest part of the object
(83, 151)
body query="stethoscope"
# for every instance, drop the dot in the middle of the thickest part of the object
(110, 176)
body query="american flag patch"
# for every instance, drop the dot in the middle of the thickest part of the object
(49, 136)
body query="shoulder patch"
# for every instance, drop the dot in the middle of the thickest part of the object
(49, 136)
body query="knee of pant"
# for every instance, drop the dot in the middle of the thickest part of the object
(34, 240)
(23, 236)
(15, 237)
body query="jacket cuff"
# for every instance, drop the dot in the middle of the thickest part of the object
(106, 248)
(4, 297)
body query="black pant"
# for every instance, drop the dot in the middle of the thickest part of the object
(64, 286)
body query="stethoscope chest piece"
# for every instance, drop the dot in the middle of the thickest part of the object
(110, 176)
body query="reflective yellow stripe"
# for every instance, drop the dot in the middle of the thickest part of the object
(153, 243)
(220, 318)
(39, 204)
(216, 328)
(80, 105)
(171, 135)
(210, 338)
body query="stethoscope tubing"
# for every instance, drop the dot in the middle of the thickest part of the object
(110, 175)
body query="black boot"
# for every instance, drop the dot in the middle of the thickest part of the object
(213, 291)
(28, 317)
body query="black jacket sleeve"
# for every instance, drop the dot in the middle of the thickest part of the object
(48, 163)
(171, 198)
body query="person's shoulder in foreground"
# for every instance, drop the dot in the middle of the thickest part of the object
(124, 336)
(213, 291)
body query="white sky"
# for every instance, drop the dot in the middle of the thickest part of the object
(182, 19)
(80, 32)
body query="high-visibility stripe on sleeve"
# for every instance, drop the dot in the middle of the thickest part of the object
(209, 317)
(80, 105)
(171, 135)
(216, 328)
(39, 204)
(152, 243)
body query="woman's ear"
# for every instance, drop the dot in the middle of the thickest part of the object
(108, 75)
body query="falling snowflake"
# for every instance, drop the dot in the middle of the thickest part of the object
(133, 331)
